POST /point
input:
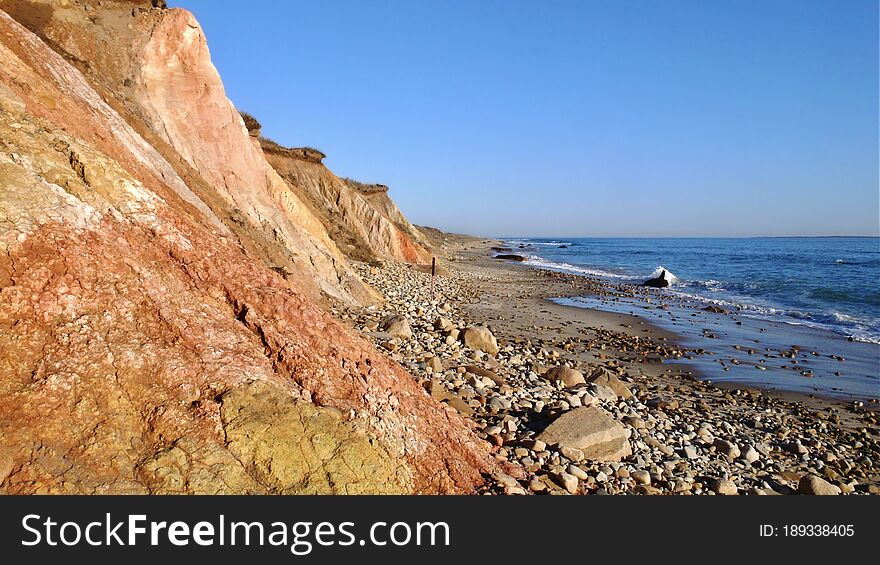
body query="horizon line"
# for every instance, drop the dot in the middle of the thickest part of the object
(688, 237)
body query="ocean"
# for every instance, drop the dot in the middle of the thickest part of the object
(805, 289)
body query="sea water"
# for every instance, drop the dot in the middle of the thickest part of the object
(818, 291)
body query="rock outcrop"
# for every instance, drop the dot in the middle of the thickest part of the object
(149, 343)
(659, 281)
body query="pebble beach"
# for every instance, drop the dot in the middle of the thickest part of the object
(581, 401)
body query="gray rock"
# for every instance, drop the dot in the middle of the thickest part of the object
(577, 472)
(603, 393)
(750, 454)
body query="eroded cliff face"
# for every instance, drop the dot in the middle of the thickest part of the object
(154, 67)
(146, 344)
(363, 227)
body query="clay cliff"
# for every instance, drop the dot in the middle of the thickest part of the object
(153, 66)
(162, 287)
(363, 222)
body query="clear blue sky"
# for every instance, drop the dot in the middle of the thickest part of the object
(633, 118)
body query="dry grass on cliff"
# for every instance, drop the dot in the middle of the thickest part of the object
(250, 122)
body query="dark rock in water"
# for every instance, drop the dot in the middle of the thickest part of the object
(659, 282)
(501, 249)
(563, 247)
(511, 257)
(716, 309)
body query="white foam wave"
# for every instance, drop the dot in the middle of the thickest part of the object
(836, 322)
(569, 268)
(671, 278)
(537, 243)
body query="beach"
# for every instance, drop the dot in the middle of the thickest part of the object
(669, 432)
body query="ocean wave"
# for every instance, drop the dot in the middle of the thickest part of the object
(754, 296)
(670, 277)
(540, 263)
(837, 322)
(537, 243)
(711, 285)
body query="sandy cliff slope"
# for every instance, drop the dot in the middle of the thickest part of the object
(364, 223)
(147, 344)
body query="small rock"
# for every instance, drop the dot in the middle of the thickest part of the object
(537, 485)
(604, 377)
(811, 484)
(723, 486)
(568, 377)
(505, 480)
(750, 454)
(397, 326)
(727, 448)
(641, 476)
(443, 324)
(567, 481)
(577, 472)
(434, 364)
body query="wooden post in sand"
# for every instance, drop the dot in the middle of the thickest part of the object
(433, 272)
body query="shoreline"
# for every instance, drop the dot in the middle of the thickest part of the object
(815, 362)
(678, 369)
(686, 436)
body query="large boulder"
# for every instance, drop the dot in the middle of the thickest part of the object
(592, 430)
(568, 377)
(480, 338)
(604, 377)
